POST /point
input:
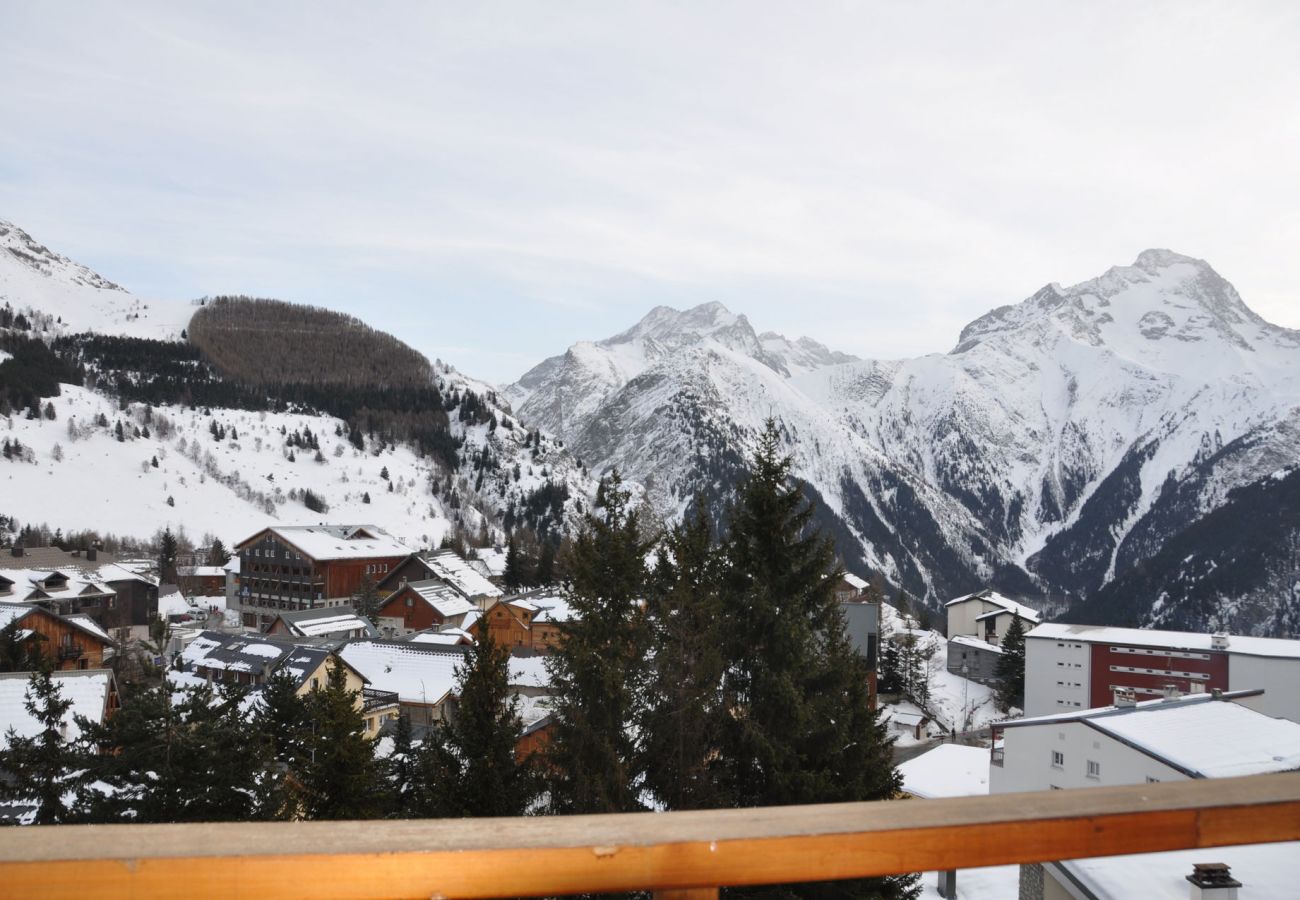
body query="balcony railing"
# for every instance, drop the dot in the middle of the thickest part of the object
(682, 855)
(373, 698)
(71, 651)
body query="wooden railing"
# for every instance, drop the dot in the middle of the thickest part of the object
(682, 855)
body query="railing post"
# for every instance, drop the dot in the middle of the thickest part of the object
(709, 893)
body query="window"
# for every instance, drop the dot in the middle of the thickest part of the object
(1094, 769)
(1058, 759)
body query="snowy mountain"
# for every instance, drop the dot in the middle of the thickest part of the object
(121, 456)
(1062, 442)
(60, 296)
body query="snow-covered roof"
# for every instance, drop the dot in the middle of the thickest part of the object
(855, 582)
(1201, 735)
(551, 607)
(907, 719)
(445, 600)
(418, 674)
(494, 559)
(1172, 640)
(949, 770)
(87, 689)
(326, 620)
(529, 671)
(236, 653)
(1266, 871)
(40, 583)
(453, 570)
(328, 542)
(966, 641)
(1007, 605)
(86, 623)
(447, 637)
(201, 571)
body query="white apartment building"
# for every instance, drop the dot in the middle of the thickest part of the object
(1171, 739)
(986, 615)
(1079, 667)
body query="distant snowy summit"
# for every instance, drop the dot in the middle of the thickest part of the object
(63, 296)
(1065, 439)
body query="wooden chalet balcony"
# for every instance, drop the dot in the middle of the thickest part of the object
(684, 856)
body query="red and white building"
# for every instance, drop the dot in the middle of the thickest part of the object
(1078, 667)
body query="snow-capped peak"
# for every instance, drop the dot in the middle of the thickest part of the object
(62, 296)
(1141, 311)
(18, 245)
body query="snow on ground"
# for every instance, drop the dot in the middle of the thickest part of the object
(229, 488)
(992, 883)
(954, 701)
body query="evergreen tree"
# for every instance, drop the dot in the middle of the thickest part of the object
(341, 780)
(596, 672)
(474, 752)
(795, 725)
(679, 723)
(41, 770)
(544, 574)
(217, 553)
(14, 656)
(167, 549)
(1011, 667)
(516, 575)
(367, 599)
(188, 758)
(408, 790)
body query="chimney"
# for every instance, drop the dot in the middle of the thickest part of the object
(1125, 698)
(1213, 881)
(1170, 692)
(92, 554)
(17, 551)
(1219, 640)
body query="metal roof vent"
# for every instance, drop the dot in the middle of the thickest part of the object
(1125, 698)
(1219, 640)
(1213, 881)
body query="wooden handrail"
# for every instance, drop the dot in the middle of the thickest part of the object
(658, 851)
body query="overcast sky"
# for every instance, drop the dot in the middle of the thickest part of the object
(493, 182)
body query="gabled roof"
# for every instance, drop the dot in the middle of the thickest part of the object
(855, 582)
(299, 664)
(237, 653)
(551, 606)
(446, 637)
(418, 673)
(460, 575)
(41, 584)
(444, 599)
(11, 611)
(1200, 735)
(325, 620)
(988, 595)
(331, 542)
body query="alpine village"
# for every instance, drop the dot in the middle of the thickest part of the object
(289, 608)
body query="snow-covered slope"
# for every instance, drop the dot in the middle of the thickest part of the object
(60, 296)
(72, 471)
(1051, 441)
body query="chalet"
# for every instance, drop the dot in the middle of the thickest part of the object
(850, 587)
(533, 621)
(424, 675)
(254, 659)
(337, 623)
(310, 566)
(136, 602)
(420, 605)
(986, 615)
(444, 566)
(69, 642)
(60, 592)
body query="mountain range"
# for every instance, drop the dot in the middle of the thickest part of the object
(1127, 448)
(1056, 449)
